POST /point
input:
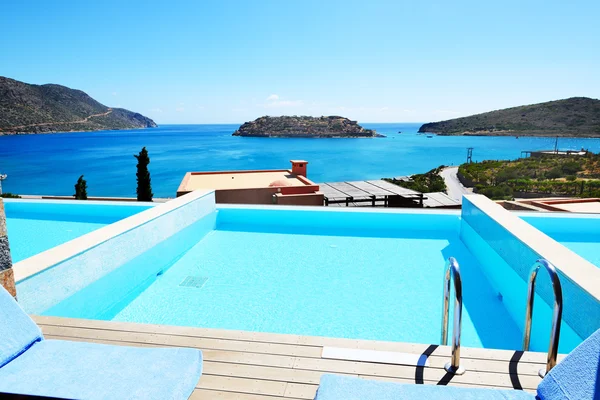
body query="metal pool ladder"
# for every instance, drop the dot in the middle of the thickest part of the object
(556, 316)
(452, 270)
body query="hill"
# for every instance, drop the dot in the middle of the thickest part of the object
(294, 126)
(543, 176)
(576, 117)
(26, 108)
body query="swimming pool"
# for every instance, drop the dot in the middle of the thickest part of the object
(578, 232)
(364, 274)
(38, 225)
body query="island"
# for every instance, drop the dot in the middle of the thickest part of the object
(574, 117)
(305, 127)
(26, 108)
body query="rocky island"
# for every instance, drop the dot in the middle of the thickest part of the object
(26, 108)
(309, 127)
(574, 117)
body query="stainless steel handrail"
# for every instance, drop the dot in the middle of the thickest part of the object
(452, 270)
(556, 315)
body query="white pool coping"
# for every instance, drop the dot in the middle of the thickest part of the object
(577, 269)
(47, 259)
(83, 202)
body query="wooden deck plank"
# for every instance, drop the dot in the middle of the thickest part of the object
(370, 188)
(413, 348)
(207, 394)
(331, 193)
(439, 199)
(270, 360)
(351, 191)
(260, 366)
(399, 190)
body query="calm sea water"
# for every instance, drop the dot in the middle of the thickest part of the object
(51, 164)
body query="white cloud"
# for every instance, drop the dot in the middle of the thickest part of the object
(385, 108)
(273, 97)
(115, 93)
(156, 110)
(180, 109)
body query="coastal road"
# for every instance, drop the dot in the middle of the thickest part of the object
(81, 121)
(455, 188)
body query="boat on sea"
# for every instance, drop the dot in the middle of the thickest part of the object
(429, 136)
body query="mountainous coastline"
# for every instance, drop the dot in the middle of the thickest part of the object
(302, 126)
(26, 108)
(573, 117)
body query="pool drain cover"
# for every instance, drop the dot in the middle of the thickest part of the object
(194, 281)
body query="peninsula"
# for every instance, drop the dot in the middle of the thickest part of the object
(574, 117)
(302, 126)
(26, 108)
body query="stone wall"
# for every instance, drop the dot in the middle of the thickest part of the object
(7, 278)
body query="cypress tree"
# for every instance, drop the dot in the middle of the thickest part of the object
(144, 187)
(81, 189)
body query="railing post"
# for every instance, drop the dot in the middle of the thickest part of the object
(452, 271)
(556, 315)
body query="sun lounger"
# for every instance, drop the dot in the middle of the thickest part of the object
(32, 365)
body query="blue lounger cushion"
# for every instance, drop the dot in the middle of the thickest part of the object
(31, 365)
(17, 331)
(577, 377)
(80, 370)
(336, 387)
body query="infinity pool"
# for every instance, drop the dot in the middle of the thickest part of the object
(364, 275)
(580, 233)
(36, 226)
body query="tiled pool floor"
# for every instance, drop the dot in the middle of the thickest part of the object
(351, 287)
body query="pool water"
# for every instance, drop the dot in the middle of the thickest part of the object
(580, 233)
(337, 286)
(258, 272)
(36, 226)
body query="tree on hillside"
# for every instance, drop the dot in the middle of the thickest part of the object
(144, 187)
(81, 189)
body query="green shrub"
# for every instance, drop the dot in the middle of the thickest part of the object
(10, 196)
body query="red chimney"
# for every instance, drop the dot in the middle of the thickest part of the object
(299, 167)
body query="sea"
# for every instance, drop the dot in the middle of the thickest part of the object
(50, 164)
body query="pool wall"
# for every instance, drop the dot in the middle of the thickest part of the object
(339, 222)
(87, 259)
(65, 210)
(499, 238)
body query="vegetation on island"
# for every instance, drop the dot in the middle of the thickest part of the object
(428, 182)
(144, 186)
(81, 189)
(26, 108)
(576, 117)
(302, 126)
(547, 175)
(10, 196)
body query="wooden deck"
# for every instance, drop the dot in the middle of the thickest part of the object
(368, 192)
(263, 366)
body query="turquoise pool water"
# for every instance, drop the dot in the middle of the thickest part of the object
(36, 226)
(353, 275)
(580, 233)
(358, 274)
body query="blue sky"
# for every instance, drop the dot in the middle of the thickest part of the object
(202, 61)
